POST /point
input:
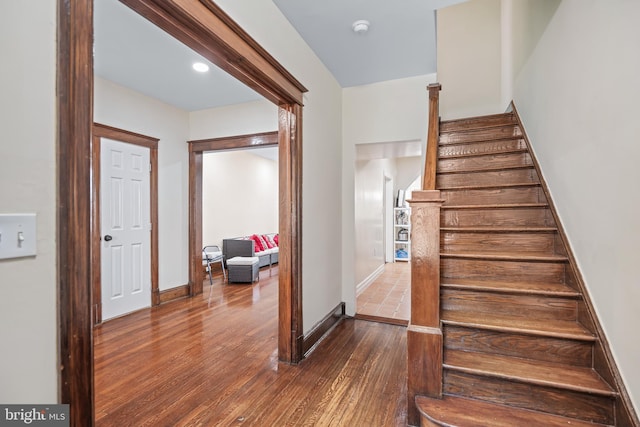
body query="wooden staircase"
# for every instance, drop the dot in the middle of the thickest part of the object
(520, 346)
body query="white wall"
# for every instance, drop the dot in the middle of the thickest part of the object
(469, 59)
(578, 96)
(369, 215)
(28, 311)
(117, 106)
(241, 119)
(409, 168)
(239, 195)
(394, 110)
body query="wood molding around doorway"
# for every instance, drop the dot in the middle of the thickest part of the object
(205, 28)
(196, 150)
(102, 131)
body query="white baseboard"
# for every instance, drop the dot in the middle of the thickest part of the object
(369, 280)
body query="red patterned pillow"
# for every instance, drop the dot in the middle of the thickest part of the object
(275, 239)
(257, 244)
(268, 241)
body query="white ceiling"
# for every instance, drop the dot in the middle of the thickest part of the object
(388, 150)
(401, 41)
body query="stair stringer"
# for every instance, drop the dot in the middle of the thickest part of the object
(603, 360)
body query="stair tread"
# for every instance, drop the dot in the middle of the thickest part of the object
(505, 229)
(549, 374)
(507, 256)
(486, 169)
(486, 121)
(498, 206)
(465, 412)
(529, 288)
(489, 152)
(480, 134)
(490, 186)
(543, 327)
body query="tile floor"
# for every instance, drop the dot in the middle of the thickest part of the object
(389, 296)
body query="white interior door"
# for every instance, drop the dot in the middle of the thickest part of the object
(126, 227)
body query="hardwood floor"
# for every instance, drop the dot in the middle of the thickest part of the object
(189, 364)
(388, 298)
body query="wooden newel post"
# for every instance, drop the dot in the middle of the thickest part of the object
(433, 133)
(424, 334)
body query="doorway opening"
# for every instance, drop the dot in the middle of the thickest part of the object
(385, 175)
(201, 26)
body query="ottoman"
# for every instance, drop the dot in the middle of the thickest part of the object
(243, 269)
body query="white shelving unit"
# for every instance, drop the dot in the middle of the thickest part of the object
(402, 234)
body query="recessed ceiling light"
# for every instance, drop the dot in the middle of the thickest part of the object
(200, 67)
(361, 26)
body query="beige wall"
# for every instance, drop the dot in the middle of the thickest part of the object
(369, 215)
(469, 59)
(117, 106)
(578, 96)
(240, 119)
(28, 313)
(239, 195)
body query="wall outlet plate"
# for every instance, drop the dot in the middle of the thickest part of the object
(17, 235)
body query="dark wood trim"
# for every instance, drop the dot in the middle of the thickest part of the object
(433, 134)
(290, 328)
(104, 131)
(208, 30)
(604, 362)
(196, 149)
(322, 328)
(75, 117)
(196, 275)
(424, 333)
(281, 72)
(173, 294)
(256, 140)
(380, 319)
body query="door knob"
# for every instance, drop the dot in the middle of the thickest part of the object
(108, 238)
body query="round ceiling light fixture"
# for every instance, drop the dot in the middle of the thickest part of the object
(200, 67)
(361, 26)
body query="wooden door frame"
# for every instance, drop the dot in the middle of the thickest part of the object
(204, 27)
(104, 131)
(196, 150)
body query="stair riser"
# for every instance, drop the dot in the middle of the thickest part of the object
(487, 134)
(530, 396)
(540, 242)
(481, 148)
(489, 162)
(576, 353)
(444, 181)
(502, 270)
(517, 217)
(494, 196)
(477, 123)
(524, 306)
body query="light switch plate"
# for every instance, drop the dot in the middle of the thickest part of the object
(17, 235)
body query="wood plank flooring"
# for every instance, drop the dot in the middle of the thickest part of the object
(188, 363)
(388, 298)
